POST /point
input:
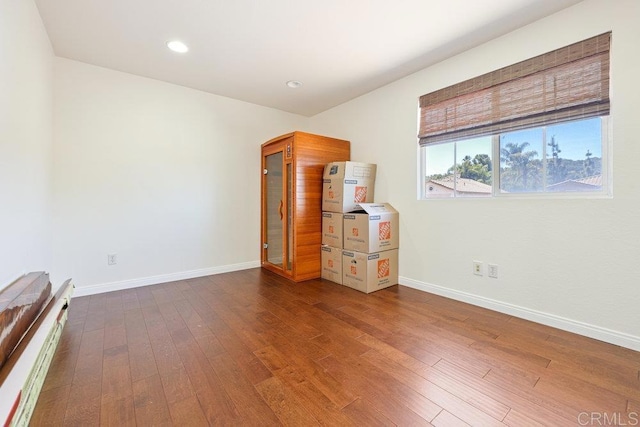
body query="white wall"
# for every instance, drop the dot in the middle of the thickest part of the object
(570, 263)
(25, 141)
(166, 177)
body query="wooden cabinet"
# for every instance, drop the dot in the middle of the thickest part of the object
(291, 201)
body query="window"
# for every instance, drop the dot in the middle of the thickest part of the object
(462, 169)
(535, 127)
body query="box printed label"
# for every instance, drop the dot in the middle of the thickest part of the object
(360, 195)
(330, 263)
(384, 230)
(362, 172)
(354, 231)
(383, 268)
(331, 229)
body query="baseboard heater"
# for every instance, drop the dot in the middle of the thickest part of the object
(31, 323)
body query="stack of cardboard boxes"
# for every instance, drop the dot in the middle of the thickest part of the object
(359, 237)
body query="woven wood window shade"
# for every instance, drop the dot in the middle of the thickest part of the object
(566, 84)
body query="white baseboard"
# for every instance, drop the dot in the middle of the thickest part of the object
(592, 331)
(162, 278)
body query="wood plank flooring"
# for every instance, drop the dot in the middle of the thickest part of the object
(250, 348)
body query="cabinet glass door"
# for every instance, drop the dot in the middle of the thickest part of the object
(289, 230)
(274, 195)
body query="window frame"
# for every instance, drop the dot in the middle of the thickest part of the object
(606, 190)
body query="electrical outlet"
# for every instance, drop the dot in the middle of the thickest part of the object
(478, 270)
(112, 259)
(492, 270)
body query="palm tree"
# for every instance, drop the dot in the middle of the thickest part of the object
(588, 164)
(556, 171)
(514, 157)
(475, 169)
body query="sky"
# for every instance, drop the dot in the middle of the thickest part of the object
(574, 139)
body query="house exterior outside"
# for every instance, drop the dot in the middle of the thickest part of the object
(467, 187)
(591, 183)
(446, 187)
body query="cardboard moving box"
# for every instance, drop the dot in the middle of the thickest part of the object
(370, 272)
(374, 228)
(331, 264)
(345, 184)
(332, 229)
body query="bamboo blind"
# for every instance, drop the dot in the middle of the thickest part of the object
(566, 84)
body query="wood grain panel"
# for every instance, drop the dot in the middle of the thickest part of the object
(253, 409)
(83, 405)
(363, 412)
(117, 412)
(447, 419)
(187, 412)
(310, 154)
(253, 348)
(382, 393)
(20, 304)
(51, 407)
(284, 403)
(483, 410)
(150, 403)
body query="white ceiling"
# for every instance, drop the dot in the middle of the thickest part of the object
(248, 49)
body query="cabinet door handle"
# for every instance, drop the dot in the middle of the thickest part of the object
(280, 209)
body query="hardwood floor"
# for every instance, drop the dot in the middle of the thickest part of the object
(250, 348)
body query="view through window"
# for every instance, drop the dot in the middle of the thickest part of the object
(560, 158)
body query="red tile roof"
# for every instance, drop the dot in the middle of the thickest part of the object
(463, 185)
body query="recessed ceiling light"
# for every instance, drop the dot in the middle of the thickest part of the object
(177, 46)
(294, 84)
